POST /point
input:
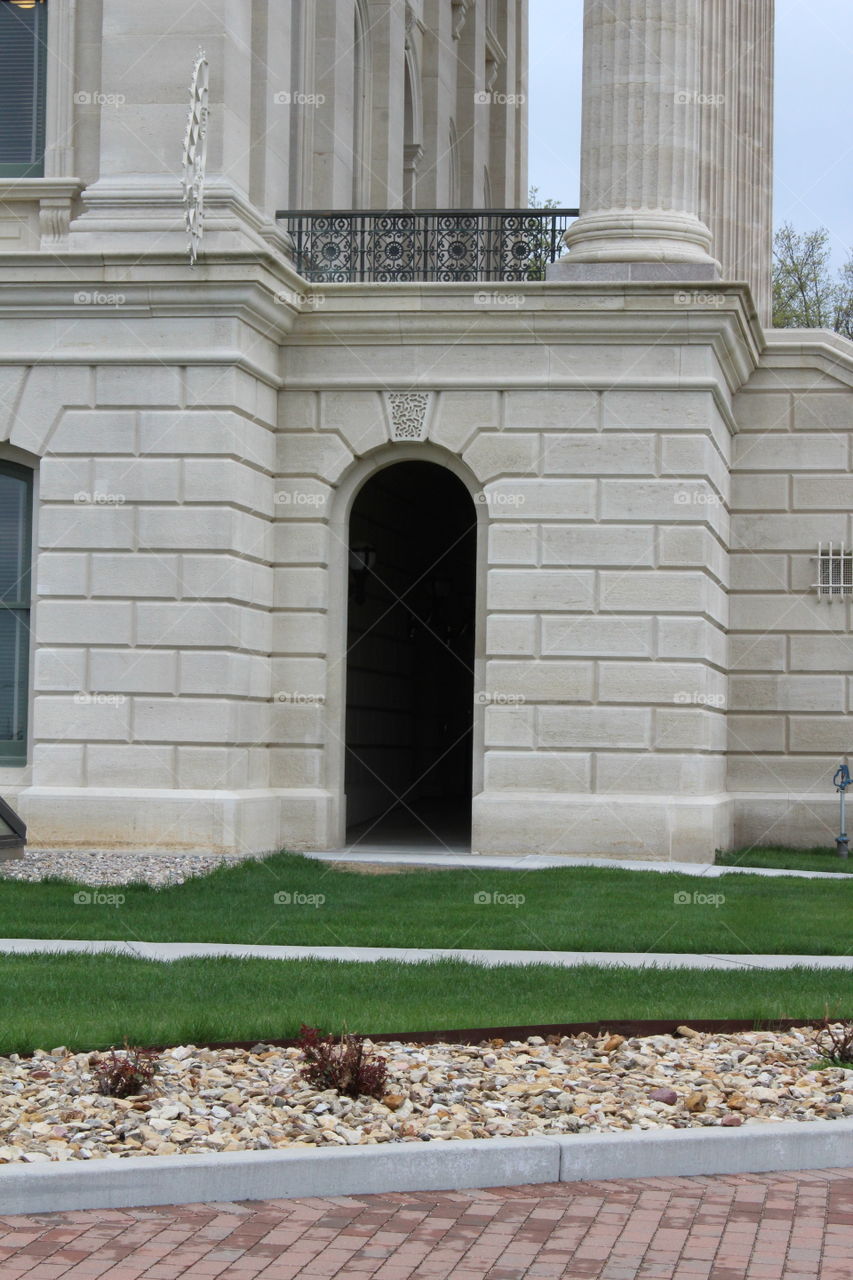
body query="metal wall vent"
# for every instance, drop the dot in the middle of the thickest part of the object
(835, 571)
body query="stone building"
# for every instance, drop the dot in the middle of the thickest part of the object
(351, 524)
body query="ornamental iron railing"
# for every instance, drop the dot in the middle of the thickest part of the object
(437, 245)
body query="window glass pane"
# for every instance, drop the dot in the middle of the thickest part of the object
(14, 539)
(23, 44)
(14, 652)
(15, 556)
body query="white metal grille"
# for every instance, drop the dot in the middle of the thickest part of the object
(835, 571)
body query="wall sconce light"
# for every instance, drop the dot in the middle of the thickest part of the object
(361, 562)
(13, 831)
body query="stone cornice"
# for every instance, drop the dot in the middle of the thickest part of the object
(815, 348)
(283, 308)
(259, 288)
(553, 312)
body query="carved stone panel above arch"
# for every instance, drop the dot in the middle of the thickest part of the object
(408, 411)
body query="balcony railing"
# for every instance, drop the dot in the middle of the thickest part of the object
(438, 245)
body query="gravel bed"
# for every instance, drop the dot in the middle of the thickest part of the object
(95, 867)
(206, 1100)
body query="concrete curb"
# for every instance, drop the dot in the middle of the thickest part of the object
(765, 1147)
(116, 1183)
(137, 1181)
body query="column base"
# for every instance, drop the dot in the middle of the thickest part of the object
(676, 273)
(640, 235)
(145, 214)
(657, 828)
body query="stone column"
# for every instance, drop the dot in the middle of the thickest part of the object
(640, 148)
(736, 134)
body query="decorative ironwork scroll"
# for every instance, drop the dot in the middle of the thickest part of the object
(195, 155)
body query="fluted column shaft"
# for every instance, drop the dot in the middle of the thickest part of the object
(736, 183)
(642, 101)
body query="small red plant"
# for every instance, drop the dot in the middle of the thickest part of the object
(343, 1065)
(126, 1072)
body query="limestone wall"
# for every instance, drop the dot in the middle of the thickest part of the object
(153, 586)
(790, 716)
(193, 525)
(604, 574)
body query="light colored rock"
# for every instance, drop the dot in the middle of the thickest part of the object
(237, 1100)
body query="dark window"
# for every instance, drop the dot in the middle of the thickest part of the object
(16, 510)
(23, 64)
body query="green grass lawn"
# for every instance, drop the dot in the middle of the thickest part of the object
(821, 859)
(291, 899)
(87, 1002)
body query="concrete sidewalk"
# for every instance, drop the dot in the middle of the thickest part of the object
(413, 955)
(533, 862)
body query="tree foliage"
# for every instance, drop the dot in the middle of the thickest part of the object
(541, 242)
(806, 294)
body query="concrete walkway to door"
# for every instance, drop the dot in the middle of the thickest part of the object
(412, 955)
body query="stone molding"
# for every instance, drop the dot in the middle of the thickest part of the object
(54, 196)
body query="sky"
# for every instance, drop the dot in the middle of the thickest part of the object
(814, 129)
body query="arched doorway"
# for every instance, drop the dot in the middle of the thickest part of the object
(410, 659)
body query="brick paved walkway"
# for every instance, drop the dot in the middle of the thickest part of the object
(772, 1227)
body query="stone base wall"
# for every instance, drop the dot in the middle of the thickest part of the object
(189, 673)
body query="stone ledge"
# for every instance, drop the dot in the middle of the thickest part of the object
(564, 269)
(115, 1183)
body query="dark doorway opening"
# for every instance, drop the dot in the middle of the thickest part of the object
(410, 660)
